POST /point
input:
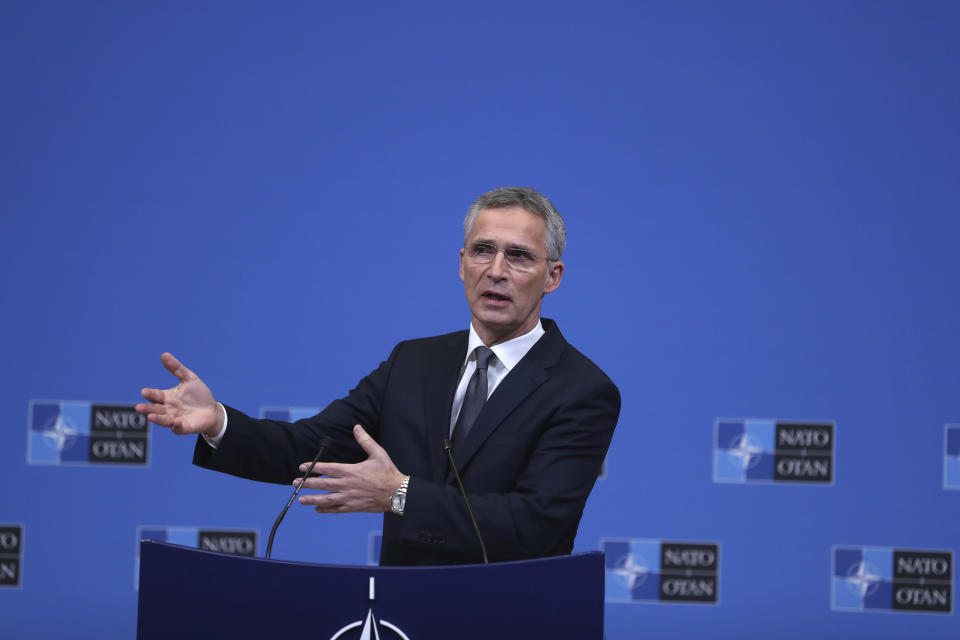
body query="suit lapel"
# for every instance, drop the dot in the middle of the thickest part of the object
(439, 388)
(531, 372)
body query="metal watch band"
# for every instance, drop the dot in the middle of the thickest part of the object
(398, 501)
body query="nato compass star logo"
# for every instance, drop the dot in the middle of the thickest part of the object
(370, 628)
(743, 450)
(59, 432)
(631, 569)
(863, 579)
(746, 450)
(60, 435)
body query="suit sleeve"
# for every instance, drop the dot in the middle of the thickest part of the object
(271, 450)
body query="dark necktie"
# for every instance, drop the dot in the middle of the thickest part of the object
(475, 397)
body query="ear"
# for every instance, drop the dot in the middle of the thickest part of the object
(462, 251)
(554, 274)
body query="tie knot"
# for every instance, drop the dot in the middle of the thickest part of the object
(483, 356)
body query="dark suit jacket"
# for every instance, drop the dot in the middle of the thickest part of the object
(528, 463)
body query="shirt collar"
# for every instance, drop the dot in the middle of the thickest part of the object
(508, 353)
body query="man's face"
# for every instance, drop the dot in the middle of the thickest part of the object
(504, 302)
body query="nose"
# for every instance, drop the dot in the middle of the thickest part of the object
(498, 267)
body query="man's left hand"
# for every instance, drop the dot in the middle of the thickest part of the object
(366, 486)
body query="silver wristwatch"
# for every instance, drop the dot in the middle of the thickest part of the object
(399, 499)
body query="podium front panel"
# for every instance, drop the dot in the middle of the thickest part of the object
(196, 593)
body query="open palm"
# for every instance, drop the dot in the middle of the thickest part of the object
(187, 408)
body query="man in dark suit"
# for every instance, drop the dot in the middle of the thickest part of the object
(530, 417)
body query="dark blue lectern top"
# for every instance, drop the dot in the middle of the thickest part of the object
(190, 593)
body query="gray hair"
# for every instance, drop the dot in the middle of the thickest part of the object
(529, 200)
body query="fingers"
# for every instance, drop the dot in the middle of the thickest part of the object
(156, 413)
(330, 469)
(333, 502)
(161, 419)
(177, 368)
(321, 484)
(364, 439)
(149, 408)
(153, 395)
(338, 502)
(330, 503)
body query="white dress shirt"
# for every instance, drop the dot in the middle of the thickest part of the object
(506, 356)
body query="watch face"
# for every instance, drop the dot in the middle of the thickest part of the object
(399, 499)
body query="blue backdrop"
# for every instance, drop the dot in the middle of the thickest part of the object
(761, 200)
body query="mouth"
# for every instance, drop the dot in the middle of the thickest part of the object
(495, 298)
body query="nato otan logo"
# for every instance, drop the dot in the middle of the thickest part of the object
(369, 626)
(83, 433)
(241, 542)
(886, 579)
(659, 571)
(11, 554)
(951, 457)
(288, 414)
(750, 451)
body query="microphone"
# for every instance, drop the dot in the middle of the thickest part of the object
(448, 447)
(324, 443)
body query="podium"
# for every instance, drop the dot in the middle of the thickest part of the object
(186, 592)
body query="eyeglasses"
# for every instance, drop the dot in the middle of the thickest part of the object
(517, 258)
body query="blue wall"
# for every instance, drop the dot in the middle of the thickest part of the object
(762, 204)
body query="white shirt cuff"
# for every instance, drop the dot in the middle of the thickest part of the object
(214, 441)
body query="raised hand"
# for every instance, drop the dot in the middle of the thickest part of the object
(187, 408)
(364, 486)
